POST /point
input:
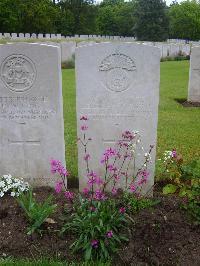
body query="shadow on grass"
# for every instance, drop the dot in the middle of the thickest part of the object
(185, 103)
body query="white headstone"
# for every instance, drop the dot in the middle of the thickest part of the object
(40, 36)
(27, 36)
(83, 36)
(59, 36)
(31, 112)
(194, 80)
(67, 51)
(174, 50)
(53, 36)
(21, 35)
(83, 43)
(14, 36)
(48, 36)
(118, 90)
(1, 35)
(7, 35)
(33, 36)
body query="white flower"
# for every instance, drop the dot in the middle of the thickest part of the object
(2, 184)
(9, 183)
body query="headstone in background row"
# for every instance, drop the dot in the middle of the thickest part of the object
(186, 49)
(83, 43)
(31, 111)
(174, 50)
(83, 36)
(59, 36)
(165, 50)
(6, 35)
(53, 36)
(14, 36)
(21, 36)
(118, 89)
(194, 79)
(1, 36)
(40, 36)
(33, 36)
(67, 51)
(48, 36)
(27, 35)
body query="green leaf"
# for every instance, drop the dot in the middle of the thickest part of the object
(169, 189)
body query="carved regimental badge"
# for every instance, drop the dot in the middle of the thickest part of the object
(18, 73)
(118, 69)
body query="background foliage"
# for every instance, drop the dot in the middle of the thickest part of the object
(144, 19)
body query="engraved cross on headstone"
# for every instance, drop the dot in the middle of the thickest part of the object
(25, 144)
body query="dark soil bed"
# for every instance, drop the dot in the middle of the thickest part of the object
(163, 235)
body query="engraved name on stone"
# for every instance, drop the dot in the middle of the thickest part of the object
(25, 107)
(18, 73)
(117, 69)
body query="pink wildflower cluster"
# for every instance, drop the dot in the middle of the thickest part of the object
(84, 127)
(93, 179)
(127, 135)
(95, 243)
(109, 153)
(109, 234)
(57, 167)
(69, 195)
(174, 153)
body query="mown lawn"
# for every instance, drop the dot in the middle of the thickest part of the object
(178, 127)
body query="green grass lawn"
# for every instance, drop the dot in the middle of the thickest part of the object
(178, 127)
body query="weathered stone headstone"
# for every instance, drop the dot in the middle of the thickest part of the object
(53, 36)
(194, 80)
(83, 43)
(27, 35)
(59, 36)
(21, 35)
(6, 35)
(174, 50)
(67, 51)
(33, 36)
(31, 114)
(14, 36)
(40, 36)
(118, 90)
(48, 36)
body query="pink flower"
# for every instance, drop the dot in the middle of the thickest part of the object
(58, 187)
(69, 195)
(95, 243)
(109, 234)
(112, 168)
(99, 195)
(174, 153)
(93, 178)
(84, 127)
(127, 135)
(109, 153)
(132, 188)
(122, 210)
(87, 157)
(85, 191)
(57, 167)
(84, 117)
(114, 191)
